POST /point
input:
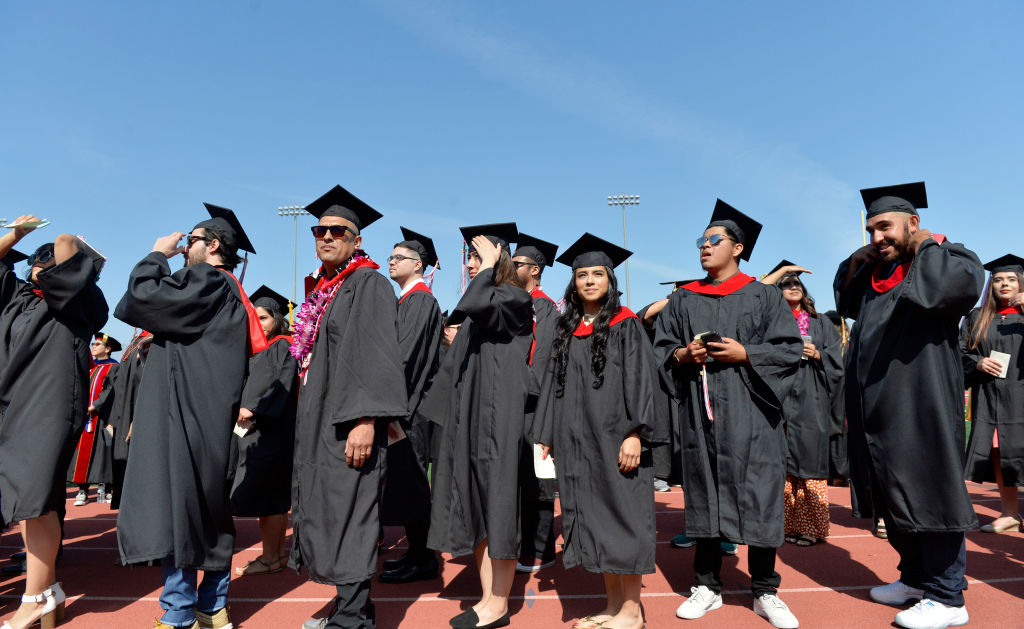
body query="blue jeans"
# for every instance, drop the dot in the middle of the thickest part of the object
(933, 562)
(181, 598)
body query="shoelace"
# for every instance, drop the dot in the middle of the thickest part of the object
(701, 595)
(772, 601)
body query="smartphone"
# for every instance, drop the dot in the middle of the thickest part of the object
(709, 337)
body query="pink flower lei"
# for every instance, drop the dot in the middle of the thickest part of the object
(307, 319)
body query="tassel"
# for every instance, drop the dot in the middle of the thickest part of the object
(465, 272)
(245, 263)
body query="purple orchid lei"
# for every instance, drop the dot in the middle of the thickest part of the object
(307, 319)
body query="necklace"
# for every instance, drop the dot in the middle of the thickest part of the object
(588, 319)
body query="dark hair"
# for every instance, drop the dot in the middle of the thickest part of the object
(229, 255)
(988, 311)
(280, 322)
(570, 320)
(505, 271)
(806, 301)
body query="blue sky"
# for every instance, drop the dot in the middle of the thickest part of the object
(120, 118)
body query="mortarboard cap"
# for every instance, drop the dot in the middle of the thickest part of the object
(14, 256)
(1009, 262)
(540, 251)
(834, 317)
(266, 297)
(224, 221)
(905, 197)
(340, 202)
(420, 244)
(500, 234)
(110, 341)
(782, 264)
(745, 228)
(590, 250)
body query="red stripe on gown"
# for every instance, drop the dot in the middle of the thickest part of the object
(83, 454)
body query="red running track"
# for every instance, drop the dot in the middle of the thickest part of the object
(825, 585)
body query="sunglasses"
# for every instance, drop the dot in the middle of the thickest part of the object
(521, 264)
(714, 240)
(337, 231)
(194, 239)
(43, 255)
(791, 284)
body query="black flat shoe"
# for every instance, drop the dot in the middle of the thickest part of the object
(409, 573)
(465, 620)
(13, 570)
(504, 621)
(19, 556)
(395, 564)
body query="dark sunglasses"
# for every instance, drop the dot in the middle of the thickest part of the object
(791, 284)
(713, 239)
(194, 239)
(522, 264)
(43, 254)
(337, 231)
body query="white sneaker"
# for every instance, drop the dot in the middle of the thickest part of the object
(101, 494)
(896, 593)
(701, 601)
(929, 614)
(771, 607)
(315, 623)
(81, 498)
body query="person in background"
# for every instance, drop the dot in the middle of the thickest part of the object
(838, 462)
(266, 435)
(597, 414)
(92, 461)
(808, 412)
(117, 408)
(907, 290)
(46, 324)
(995, 451)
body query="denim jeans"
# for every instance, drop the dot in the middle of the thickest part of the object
(181, 598)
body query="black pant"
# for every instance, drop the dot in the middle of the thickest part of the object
(536, 511)
(353, 608)
(933, 562)
(707, 564)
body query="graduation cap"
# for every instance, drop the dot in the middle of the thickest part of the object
(501, 234)
(590, 250)
(110, 341)
(14, 256)
(905, 197)
(834, 317)
(782, 264)
(266, 297)
(224, 221)
(1007, 263)
(341, 203)
(745, 228)
(421, 245)
(540, 251)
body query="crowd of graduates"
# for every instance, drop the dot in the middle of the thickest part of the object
(358, 409)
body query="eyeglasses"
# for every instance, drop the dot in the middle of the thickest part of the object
(401, 258)
(337, 231)
(713, 239)
(790, 284)
(521, 264)
(194, 239)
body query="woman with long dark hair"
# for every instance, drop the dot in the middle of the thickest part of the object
(807, 412)
(597, 416)
(266, 421)
(46, 325)
(479, 398)
(995, 451)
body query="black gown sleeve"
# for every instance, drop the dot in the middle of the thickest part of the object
(640, 384)
(105, 400)
(273, 376)
(848, 299)
(9, 283)
(71, 294)
(419, 340)
(501, 312)
(970, 357)
(777, 356)
(668, 335)
(944, 280)
(829, 344)
(182, 304)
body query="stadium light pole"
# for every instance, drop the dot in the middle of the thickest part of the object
(294, 211)
(622, 200)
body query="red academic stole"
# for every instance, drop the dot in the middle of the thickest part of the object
(537, 293)
(418, 286)
(727, 287)
(83, 453)
(1009, 310)
(257, 339)
(586, 329)
(884, 285)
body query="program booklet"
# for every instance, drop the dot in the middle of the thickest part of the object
(1002, 359)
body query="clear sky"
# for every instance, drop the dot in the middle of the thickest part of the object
(118, 119)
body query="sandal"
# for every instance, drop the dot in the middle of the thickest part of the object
(589, 622)
(880, 531)
(791, 539)
(806, 540)
(258, 566)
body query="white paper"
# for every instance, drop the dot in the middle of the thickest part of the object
(542, 468)
(241, 432)
(1002, 359)
(395, 432)
(807, 341)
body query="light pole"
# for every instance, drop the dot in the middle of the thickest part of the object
(622, 200)
(295, 211)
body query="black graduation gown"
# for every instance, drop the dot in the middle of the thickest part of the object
(808, 407)
(175, 495)
(98, 465)
(355, 372)
(995, 402)
(607, 516)
(44, 377)
(545, 317)
(407, 490)
(663, 398)
(904, 390)
(116, 409)
(263, 475)
(734, 468)
(479, 397)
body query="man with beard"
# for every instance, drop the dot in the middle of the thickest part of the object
(726, 346)
(537, 495)
(908, 290)
(175, 505)
(352, 386)
(406, 499)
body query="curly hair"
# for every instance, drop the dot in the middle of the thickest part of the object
(570, 320)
